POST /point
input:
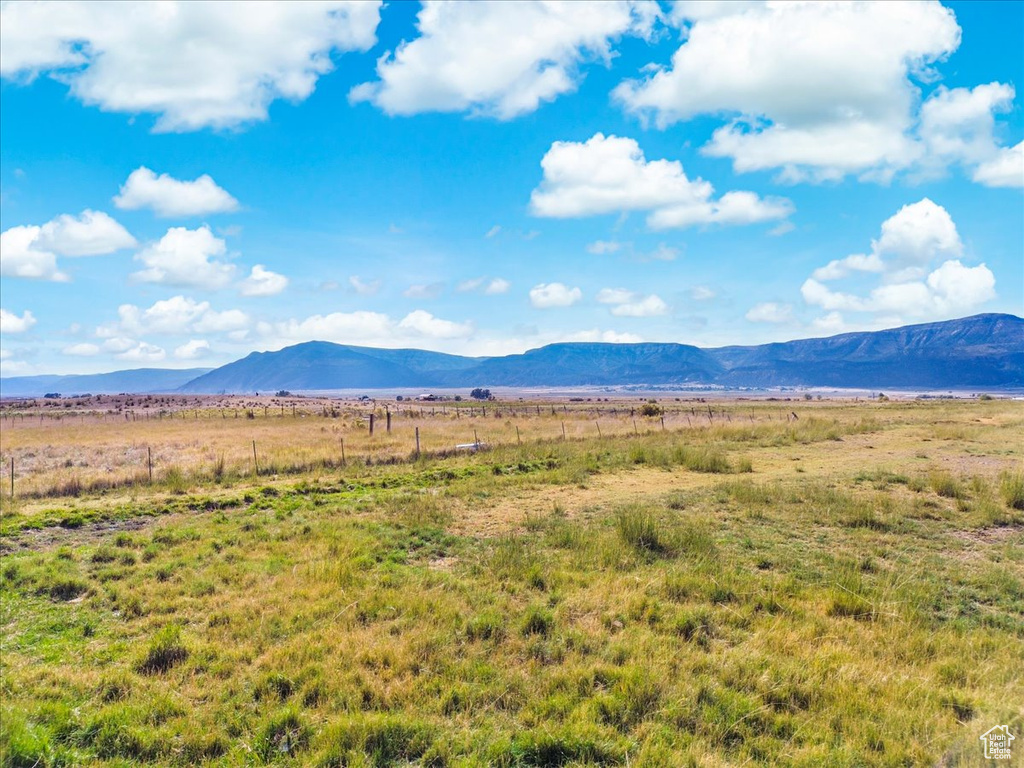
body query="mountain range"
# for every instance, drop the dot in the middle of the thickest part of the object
(982, 351)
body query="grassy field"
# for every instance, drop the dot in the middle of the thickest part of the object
(843, 588)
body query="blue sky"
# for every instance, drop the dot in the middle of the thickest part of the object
(488, 178)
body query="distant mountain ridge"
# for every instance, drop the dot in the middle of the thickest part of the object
(138, 381)
(983, 351)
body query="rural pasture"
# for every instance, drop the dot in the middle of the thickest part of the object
(715, 583)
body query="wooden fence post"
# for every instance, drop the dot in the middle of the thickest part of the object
(255, 463)
(371, 424)
(518, 438)
(149, 461)
(417, 442)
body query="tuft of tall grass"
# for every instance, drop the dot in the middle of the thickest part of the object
(165, 651)
(1011, 485)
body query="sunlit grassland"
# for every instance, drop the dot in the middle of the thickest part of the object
(842, 589)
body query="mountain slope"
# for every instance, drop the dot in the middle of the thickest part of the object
(983, 350)
(322, 365)
(580, 364)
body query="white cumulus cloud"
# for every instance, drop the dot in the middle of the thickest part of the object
(167, 196)
(31, 251)
(194, 65)
(548, 295)
(89, 234)
(192, 349)
(609, 174)
(12, 323)
(798, 87)
(1006, 169)
(186, 258)
(83, 349)
(916, 260)
(143, 352)
(174, 316)
(500, 59)
(263, 282)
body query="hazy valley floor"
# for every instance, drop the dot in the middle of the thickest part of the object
(845, 587)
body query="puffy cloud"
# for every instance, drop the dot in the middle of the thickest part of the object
(911, 242)
(20, 256)
(31, 251)
(177, 315)
(192, 349)
(614, 296)
(186, 258)
(499, 59)
(143, 352)
(609, 174)
(263, 282)
(800, 90)
(1006, 169)
(368, 328)
(770, 312)
(958, 126)
(427, 291)
(81, 350)
(241, 56)
(12, 323)
(422, 323)
(118, 344)
(168, 196)
(497, 286)
(641, 306)
(364, 287)
(90, 234)
(548, 295)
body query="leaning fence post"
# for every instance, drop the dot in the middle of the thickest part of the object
(255, 463)
(598, 424)
(563, 430)
(343, 451)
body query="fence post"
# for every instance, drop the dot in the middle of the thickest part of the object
(12, 478)
(635, 430)
(476, 440)
(149, 461)
(255, 463)
(563, 430)
(598, 425)
(371, 424)
(388, 412)
(343, 451)
(417, 442)
(662, 423)
(518, 438)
